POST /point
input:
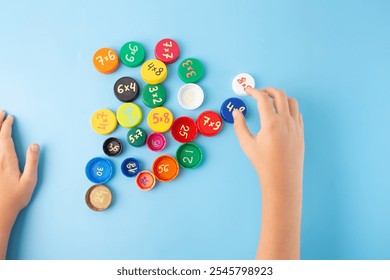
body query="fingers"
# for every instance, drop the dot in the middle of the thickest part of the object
(6, 128)
(244, 136)
(2, 116)
(300, 119)
(293, 107)
(264, 103)
(280, 100)
(30, 173)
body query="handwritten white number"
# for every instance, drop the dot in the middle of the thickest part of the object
(189, 159)
(99, 171)
(153, 89)
(157, 100)
(183, 131)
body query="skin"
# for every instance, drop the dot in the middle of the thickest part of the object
(277, 153)
(16, 188)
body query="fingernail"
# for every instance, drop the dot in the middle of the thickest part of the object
(34, 148)
(2, 112)
(235, 113)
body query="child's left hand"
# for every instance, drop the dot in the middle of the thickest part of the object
(16, 188)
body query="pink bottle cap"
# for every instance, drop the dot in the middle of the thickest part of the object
(156, 141)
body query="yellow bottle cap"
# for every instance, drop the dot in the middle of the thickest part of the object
(154, 71)
(103, 121)
(160, 119)
(129, 115)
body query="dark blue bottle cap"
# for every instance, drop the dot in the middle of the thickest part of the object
(99, 170)
(229, 105)
(130, 167)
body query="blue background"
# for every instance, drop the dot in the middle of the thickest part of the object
(333, 56)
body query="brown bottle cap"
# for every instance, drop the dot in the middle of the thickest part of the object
(98, 197)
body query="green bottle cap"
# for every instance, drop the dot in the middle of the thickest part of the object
(136, 137)
(132, 54)
(154, 95)
(191, 70)
(189, 155)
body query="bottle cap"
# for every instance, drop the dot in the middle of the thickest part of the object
(98, 197)
(145, 180)
(99, 170)
(165, 168)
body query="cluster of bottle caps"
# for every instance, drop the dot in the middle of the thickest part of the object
(160, 119)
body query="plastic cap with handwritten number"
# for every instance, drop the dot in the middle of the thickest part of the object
(165, 168)
(106, 60)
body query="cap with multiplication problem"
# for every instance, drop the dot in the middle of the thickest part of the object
(160, 119)
(167, 50)
(126, 89)
(132, 54)
(136, 136)
(229, 105)
(191, 70)
(209, 123)
(154, 95)
(104, 121)
(129, 115)
(106, 60)
(241, 82)
(154, 71)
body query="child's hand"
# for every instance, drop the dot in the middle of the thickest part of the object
(276, 152)
(15, 188)
(277, 149)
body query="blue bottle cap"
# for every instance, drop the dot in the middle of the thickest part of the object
(229, 105)
(130, 167)
(99, 170)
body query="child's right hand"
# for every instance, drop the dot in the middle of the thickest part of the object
(277, 150)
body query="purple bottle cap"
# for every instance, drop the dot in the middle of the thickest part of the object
(156, 141)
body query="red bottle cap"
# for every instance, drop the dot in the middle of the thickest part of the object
(209, 123)
(184, 129)
(167, 50)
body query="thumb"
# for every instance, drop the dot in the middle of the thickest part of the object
(30, 172)
(243, 134)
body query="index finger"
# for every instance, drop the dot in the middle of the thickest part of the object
(280, 100)
(6, 128)
(2, 116)
(264, 103)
